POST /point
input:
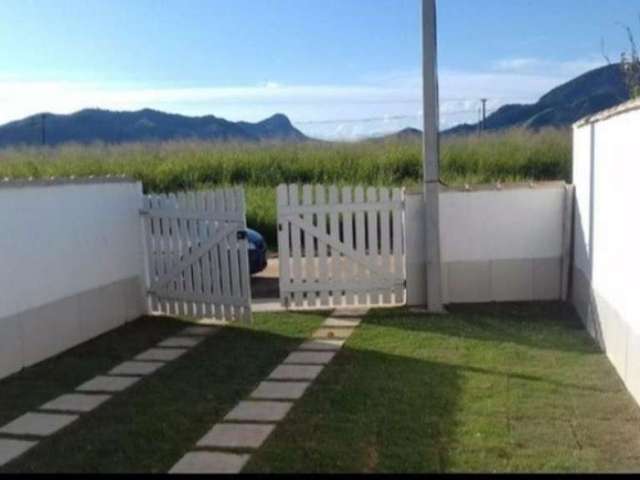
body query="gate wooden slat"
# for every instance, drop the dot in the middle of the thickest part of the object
(323, 267)
(335, 257)
(398, 245)
(233, 252)
(223, 248)
(353, 246)
(284, 246)
(207, 290)
(243, 249)
(175, 250)
(309, 256)
(151, 254)
(385, 242)
(198, 266)
(296, 252)
(372, 241)
(361, 246)
(214, 256)
(349, 228)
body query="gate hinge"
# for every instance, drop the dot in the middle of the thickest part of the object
(143, 212)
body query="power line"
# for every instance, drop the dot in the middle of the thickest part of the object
(386, 118)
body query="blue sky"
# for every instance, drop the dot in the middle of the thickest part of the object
(338, 68)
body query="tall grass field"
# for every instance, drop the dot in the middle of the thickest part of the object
(516, 155)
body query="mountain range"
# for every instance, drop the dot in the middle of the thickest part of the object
(94, 125)
(587, 94)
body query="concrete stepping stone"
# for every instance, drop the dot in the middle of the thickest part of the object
(280, 390)
(210, 462)
(11, 449)
(104, 383)
(322, 345)
(199, 330)
(136, 368)
(310, 358)
(255, 411)
(182, 342)
(76, 402)
(349, 312)
(161, 354)
(331, 333)
(296, 372)
(38, 424)
(341, 323)
(236, 435)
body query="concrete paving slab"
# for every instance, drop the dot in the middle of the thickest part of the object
(256, 411)
(136, 368)
(103, 383)
(38, 424)
(76, 402)
(341, 322)
(199, 330)
(280, 390)
(296, 372)
(236, 435)
(182, 342)
(11, 449)
(331, 333)
(161, 354)
(350, 312)
(310, 358)
(210, 463)
(322, 345)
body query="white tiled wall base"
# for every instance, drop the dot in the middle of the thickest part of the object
(40, 333)
(612, 332)
(502, 280)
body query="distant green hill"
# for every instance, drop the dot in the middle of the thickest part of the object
(94, 125)
(589, 93)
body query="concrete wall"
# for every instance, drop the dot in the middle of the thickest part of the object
(607, 235)
(71, 265)
(497, 245)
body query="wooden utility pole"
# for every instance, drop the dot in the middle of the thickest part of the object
(484, 113)
(431, 154)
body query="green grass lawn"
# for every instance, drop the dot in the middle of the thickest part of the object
(513, 388)
(485, 389)
(150, 426)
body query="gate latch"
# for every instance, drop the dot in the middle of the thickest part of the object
(241, 235)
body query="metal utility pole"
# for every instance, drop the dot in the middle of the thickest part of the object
(431, 154)
(484, 113)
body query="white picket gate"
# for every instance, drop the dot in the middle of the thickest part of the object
(340, 247)
(197, 254)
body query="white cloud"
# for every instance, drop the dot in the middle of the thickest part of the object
(378, 104)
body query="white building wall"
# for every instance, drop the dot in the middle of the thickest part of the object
(497, 245)
(607, 235)
(71, 265)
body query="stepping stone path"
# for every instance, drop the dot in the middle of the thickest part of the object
(224, 449)
(50, 418)
(76, 402)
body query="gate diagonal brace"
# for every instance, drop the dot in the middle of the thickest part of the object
(192, 258)
(342, 248)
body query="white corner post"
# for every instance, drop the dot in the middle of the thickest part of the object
(431, 153)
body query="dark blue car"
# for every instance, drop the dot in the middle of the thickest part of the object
(257, 252)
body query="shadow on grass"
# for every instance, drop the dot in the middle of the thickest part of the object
(541, 325)
(368, 412)
(150, 426)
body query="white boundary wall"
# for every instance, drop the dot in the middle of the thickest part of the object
(71, 260)
(606, 171)
(497, 245)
